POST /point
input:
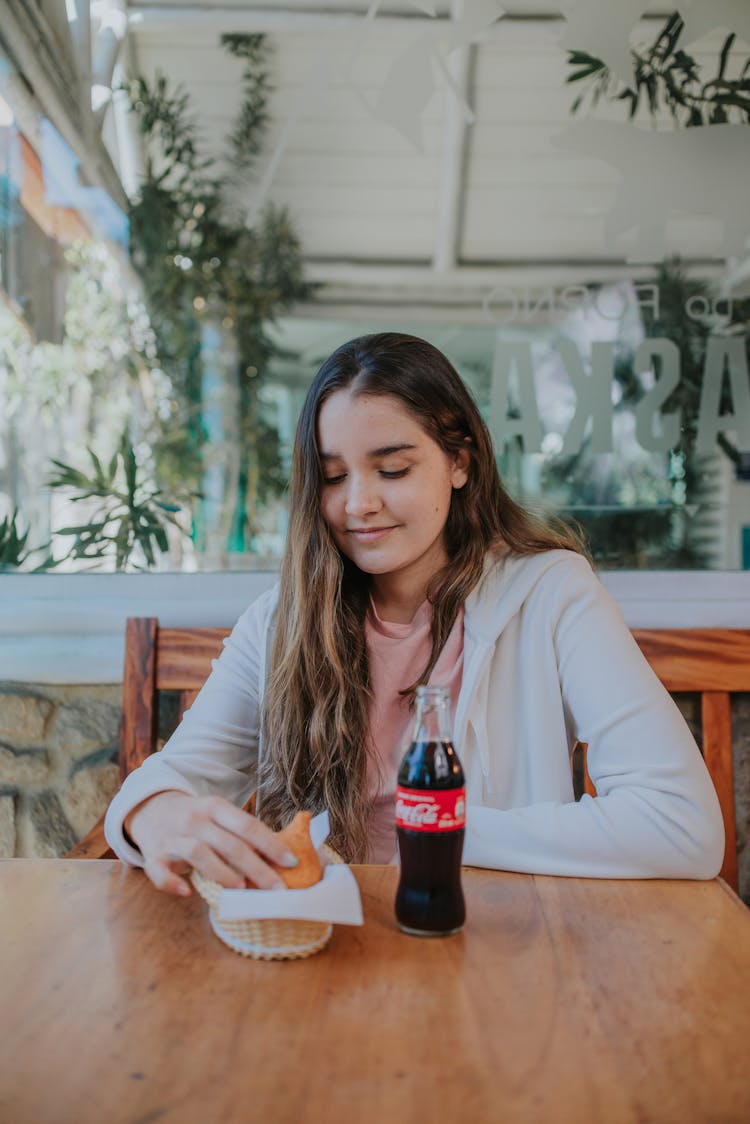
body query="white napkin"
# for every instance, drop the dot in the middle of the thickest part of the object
(334, 899)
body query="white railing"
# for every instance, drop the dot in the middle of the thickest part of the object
(69, 628)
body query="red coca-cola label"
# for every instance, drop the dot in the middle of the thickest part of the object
(428, 810)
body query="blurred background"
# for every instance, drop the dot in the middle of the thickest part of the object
(200, 201)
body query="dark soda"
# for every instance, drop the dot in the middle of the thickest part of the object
(430, 824)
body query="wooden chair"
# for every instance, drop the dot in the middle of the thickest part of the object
(710, 662)
(156, 659)
(714, 663)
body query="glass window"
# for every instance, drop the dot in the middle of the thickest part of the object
(179, 256)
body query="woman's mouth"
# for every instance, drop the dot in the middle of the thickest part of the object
(369, 534)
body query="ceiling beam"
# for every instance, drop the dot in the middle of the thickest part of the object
(509, 275)
(541, 26)
(458, 114)
(478, 296)
(226, 20)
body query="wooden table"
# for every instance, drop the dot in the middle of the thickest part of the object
(562, 1000)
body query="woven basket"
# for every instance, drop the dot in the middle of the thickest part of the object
(272, 938)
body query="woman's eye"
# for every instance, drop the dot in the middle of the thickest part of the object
(334, 479)
(395, 474)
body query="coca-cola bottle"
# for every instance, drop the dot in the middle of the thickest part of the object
(430, 819)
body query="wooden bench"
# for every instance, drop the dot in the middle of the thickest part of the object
(713, 663)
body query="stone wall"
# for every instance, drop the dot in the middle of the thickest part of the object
(58, 765)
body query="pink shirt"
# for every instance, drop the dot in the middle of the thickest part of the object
(397, 654)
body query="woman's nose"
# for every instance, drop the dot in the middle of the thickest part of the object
(361, 498)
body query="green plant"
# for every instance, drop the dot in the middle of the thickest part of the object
(131, 514)
(12, 543)
(202, 262)
(103, 374)
(666, 75)
(13, 552)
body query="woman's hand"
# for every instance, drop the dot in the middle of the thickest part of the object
(176, 832)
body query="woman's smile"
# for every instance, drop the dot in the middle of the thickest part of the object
(370, 534)
(387, 489)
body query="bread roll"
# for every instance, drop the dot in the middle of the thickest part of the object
(309, 870)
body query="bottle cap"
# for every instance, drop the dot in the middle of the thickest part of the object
(430, 692)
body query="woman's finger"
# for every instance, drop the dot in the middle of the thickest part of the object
(251, 830)
(186, 852)
(207, 861)
(159, 871)
(241, 856)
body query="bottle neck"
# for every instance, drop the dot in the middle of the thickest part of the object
(432, 720)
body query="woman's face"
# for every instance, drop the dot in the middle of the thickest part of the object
(387, 485)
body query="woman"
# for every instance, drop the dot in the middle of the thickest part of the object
(407, 562)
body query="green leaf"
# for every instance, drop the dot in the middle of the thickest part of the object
(577, 58)
(97, 465)
(579, 74)
(131, 471)
(122, 542)
(724, 56)
(88, 529)
(632, 97)
(69, 477)
(12, 542)
(145, 543)
(671, 33)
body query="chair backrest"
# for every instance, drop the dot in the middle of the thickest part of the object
(156, 659)
(713, 663)
(710, 662)
(159, 659)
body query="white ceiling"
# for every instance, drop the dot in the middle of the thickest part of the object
(427, 174)
(471, 189)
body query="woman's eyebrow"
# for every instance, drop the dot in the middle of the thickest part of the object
(383, 451)
(387, 450)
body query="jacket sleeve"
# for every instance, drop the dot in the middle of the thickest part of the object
(656, 813)
(214, 750)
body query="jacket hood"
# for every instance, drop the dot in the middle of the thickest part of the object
(504, 587)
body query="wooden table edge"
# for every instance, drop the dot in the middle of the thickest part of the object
(734, 896)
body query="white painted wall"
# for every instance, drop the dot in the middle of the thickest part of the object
(69, 628)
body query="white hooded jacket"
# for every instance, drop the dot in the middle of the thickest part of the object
(548, 660)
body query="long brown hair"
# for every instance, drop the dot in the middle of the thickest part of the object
(316, 710)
